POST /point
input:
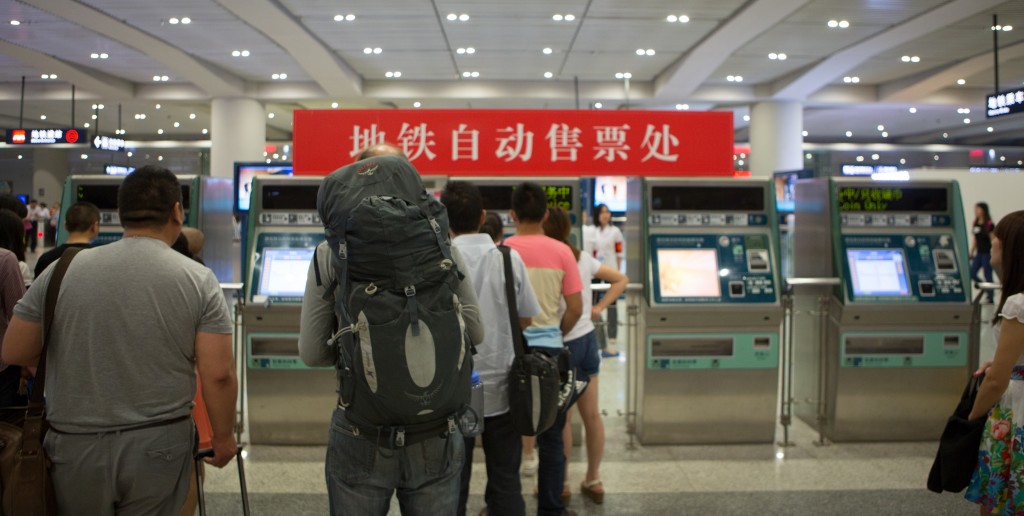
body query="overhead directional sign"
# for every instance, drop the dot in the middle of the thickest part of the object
(108, 143)
(1005, 103)
(45, 136)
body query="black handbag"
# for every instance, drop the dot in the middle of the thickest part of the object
(533, 381)
(957, 458)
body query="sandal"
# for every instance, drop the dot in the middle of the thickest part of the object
(566, 493)
(587, 488)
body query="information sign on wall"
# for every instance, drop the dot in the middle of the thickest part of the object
(1005, 103)
(45, 136)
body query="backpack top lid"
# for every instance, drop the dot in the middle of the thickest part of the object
(390, 174)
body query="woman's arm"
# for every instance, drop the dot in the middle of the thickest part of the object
(997, 377)
(618, 282)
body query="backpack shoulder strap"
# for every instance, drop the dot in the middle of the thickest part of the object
(52, 291)
(513, 305)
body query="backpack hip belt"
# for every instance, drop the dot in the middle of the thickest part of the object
(395, 437)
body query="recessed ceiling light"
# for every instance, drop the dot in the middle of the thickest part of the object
(910, 59)
(935, 157)
(963, 111)
(469, 50)
(777, 56)
(624, 75)
(885, 134)
(682, 18)
(838, 24)
(843, 24)
(989, 129)
(682, 107)
(547, 50)
(42, 117)
(372, 50)
(570, 17)
(860, 159)
(1004, 28)
(191, 116)
(177, 124)
(159, 131)
(805, 135)
(206, 131)
(460, 17)
(86, 125)
(158, 106)
(903, 161)
(746, 118)
(913, 110)
(334, 105)
(15, 22)
(967, 120)
(598, 105)
(849, 134)
(851, 79)
(84, 156)
(347, 17)
(20, 156)
(173, 21)
(881, 127)
(645, 52)
(463, 17)
(94, 116)
(270, 116)
(159, 158)
(416, 104)
(945, 135)
(279, 76)
(563, 17)
(808, 156)
(548, 75)
(961, 82)
(734, 78)
(452, 17)
(875, 157)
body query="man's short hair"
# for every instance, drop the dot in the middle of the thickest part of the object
(464, 205)
(147, 197)
(81, 216)
(11, 202)
(529, 202)
(380, 149)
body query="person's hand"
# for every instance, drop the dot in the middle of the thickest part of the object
(984, 368)
(595, 314)
(224, 449)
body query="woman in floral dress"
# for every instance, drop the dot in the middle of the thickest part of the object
(998, 483)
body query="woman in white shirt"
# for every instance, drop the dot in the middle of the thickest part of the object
(608, 249)
(1000, 468)
(582, 343)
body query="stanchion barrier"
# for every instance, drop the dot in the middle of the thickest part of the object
(237, 291)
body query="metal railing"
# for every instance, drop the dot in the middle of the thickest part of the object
(237, 292)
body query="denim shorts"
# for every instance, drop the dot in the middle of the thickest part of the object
(585, 355)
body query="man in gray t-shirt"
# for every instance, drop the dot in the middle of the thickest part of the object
(134, 321)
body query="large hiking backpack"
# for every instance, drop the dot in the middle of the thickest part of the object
(404, 360)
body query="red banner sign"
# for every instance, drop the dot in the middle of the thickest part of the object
(522, 142)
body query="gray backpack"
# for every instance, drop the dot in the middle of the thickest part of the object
(404, 359)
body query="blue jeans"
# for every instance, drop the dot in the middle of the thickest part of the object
(551, 473)
(982, 262)
(503, 450)
(362, 479)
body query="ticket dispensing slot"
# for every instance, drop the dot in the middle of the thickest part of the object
(693, 347)
(885, 345)
(274, 346)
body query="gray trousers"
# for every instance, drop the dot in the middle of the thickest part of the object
(123, 473)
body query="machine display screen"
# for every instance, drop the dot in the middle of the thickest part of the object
(284, 272)
(103, 196)
(878, 272)
(243, 180)
(707, 198)
(290, 197)
(186, 196)
(499, 197)
(688, 273)
(610, 191)
(892, 199)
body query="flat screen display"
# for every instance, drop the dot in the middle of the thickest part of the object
(610, 191)
(688, 273)
(707, 198)
(284, 271)
(878, 272)
(892, 199)
(290, 197)
(244, 172)
(496, 197)
(103, 196)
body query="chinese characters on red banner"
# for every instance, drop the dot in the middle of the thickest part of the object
(522, 142)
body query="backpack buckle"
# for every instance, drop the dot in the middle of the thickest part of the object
(400, 438)
(343, 251)
(435, 225)
(410, 291)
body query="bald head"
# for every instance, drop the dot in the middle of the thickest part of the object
(381, 149)
(196, 240)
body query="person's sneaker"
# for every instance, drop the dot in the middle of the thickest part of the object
(609, 353)
(530, 465)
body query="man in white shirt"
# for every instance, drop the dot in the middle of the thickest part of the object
(483, 262)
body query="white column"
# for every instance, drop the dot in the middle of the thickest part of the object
(238, 132)
(49, 170)
(776, 137)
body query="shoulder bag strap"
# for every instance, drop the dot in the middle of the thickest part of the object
(52, 291)
(513, 306)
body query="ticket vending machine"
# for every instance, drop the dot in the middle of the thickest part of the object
(893, 352)
(288, 403)
(707, 366)
(206, 200)
(561, 191)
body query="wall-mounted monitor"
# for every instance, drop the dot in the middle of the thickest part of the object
(785, 188)
(610, 191)
(104, 196)
(708, 198)
(284, 272)
(878, 272)
(684, 273)
(244, 172)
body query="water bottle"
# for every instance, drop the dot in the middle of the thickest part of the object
(473, 419)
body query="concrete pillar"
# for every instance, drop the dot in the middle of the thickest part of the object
(49, 170)
(238, 132)
(776, 137)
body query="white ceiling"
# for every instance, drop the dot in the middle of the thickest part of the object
(417, 39)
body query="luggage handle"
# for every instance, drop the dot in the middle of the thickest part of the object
(203, 453)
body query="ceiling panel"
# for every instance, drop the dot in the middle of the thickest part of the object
(883, 13)
(697, 10)
(629, 35)
(603, 66)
